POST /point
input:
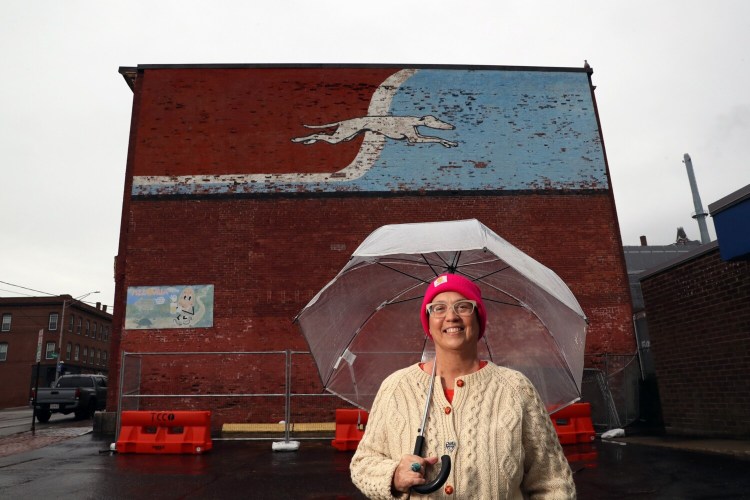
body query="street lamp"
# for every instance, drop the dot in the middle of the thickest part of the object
(62, 327)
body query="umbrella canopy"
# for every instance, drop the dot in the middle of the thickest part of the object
(365, 323)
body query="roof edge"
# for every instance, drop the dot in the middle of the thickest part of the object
(729, 200)
(679, 260)
(129, 74)
(140, 67)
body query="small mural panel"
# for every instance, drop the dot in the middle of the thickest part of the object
(333, 129)
(174, 306)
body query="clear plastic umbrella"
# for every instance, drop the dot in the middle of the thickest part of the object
(364, 324)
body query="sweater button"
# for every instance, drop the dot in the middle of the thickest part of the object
(447, 410)
(460, 383)
(449, 490)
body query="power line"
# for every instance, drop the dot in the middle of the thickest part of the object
(16, 292)
(26, 288)
(39, 291)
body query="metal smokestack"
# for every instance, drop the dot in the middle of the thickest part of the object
(700, 215)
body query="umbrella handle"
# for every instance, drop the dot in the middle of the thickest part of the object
(445, 469)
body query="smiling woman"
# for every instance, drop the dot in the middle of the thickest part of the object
(489, 420)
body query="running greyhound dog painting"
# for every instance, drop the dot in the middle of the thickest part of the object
(369, 129)
(400, 128)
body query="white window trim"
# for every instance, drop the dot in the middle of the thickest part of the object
(10, 322)
(47, 352)
(57, 320)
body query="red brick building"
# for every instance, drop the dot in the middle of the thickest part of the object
(698, 309)
(82, 330)
(248, 187)
(699, 322)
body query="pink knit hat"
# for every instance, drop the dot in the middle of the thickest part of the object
(454, 283)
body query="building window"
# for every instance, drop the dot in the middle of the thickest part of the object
(77, 351)
(71, 323)
(93, 332)
(85, 354)
(49, 352)
(3, 351)
(91, 356)
(6, 322)
(78, 329)
(52, 322)
(106, 333)
(104, 358)
(67, 351)
(88, 328)
(101, 331)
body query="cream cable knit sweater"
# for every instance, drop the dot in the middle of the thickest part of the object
(497, 432)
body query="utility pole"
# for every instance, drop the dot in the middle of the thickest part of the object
(700, 214)
(58, 367)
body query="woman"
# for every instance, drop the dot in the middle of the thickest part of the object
(490, 420)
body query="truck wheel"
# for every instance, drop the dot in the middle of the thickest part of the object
(43, 416)
(92, 409)
(82, 413)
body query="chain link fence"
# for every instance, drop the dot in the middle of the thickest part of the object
(611, 385)
(252, 395)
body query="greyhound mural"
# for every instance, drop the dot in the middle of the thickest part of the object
(437, 129)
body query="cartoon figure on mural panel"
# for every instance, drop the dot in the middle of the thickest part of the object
(169, 307)
(184, 307)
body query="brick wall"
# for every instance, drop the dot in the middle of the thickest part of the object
(699, 323)
(267, 256)
(268, 244)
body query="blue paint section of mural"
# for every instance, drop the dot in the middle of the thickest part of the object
(515, 131)
(172, 306)
(505, 130)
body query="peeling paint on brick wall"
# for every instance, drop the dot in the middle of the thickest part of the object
(366, 130)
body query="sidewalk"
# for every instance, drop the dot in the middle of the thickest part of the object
(26, 441)
(730, 447)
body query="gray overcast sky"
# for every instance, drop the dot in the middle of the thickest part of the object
(672, 77)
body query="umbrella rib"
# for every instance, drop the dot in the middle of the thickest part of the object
(489, 350)
(420, 280)
(453, 267)
(495, 301)
(478, 278)
(445, 263)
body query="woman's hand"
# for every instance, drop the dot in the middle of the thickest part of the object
(405, 477)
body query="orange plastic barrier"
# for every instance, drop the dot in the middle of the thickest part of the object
(573, 424)
(350, 426)
(165, 432)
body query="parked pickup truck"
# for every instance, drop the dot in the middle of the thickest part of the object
(79, 394)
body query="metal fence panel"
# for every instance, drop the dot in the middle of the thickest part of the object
(261, 392)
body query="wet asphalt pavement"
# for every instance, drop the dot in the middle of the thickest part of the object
(82, 467)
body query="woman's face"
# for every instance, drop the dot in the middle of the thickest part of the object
(454, 332)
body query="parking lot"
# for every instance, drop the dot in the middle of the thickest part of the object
(81, 466)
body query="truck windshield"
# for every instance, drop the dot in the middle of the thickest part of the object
(75, 382)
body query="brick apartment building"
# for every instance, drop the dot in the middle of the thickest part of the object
(83, 331)
(238, 207)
